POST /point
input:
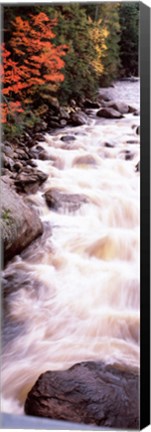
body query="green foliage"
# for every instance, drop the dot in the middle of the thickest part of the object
(129, 21)
(109, 13)
(73, 29)
(16, 126)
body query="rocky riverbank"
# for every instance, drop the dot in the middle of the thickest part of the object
(19, 171)
(73, 194)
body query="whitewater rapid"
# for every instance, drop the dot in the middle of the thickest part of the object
(78, 296)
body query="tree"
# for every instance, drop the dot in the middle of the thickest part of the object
(129, 21)
(73, 28)
(38, 59)
(11, 78)
(32, 62)
(108, 15)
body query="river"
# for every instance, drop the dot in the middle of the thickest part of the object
(75, 290)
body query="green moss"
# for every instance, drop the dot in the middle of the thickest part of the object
(6, 216)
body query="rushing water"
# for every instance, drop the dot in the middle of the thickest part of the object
(75, 291)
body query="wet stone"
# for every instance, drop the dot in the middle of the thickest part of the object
(29, 180)
(78, 118)
(67, 138)
(119, 106)
(90, 104)
(109, 113)
(109, 145)
(89, 392)
(60, 201)
(85, 160)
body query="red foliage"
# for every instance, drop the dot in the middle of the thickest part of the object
(39, 59)
(36, 61)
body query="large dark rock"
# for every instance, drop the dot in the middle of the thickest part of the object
(29, 180)
(78, 118)
(90, 104)
(88, 392)
(121, 107)
(109, 113)
(20, 224)
(58, 200)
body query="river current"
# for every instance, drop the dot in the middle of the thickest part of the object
(76, 289)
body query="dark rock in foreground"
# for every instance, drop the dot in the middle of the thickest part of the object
(88, 392)
(58, 200)
(20, 224)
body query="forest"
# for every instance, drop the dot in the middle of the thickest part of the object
(58, 53)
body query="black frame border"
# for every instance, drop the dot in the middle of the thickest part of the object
(145, 71)
(145, 130)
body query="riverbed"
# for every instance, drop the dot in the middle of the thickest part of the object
(75, 291)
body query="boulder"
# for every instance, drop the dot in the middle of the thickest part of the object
(54, 124)
(89, 392)
(60, 201)
(121, 107)
(52, 102)
(78, 118)
(67, 138)
(29, 180)
(7, 149)
(89, 104)
(20, 224)
(64, 114)
(109, 113)
(85, 160)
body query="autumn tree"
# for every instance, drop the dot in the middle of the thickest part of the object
(98, 34)
(33, 62)
(11, 77)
